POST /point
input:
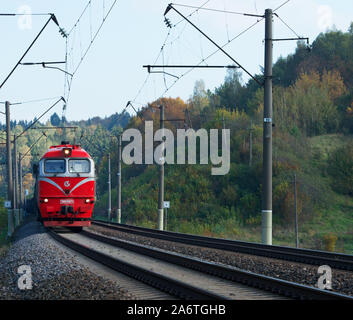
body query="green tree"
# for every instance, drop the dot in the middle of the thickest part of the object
(340, 167)
(55, 119)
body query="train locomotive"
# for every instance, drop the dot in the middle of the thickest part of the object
(65, 187)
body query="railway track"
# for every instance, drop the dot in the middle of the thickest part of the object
(314, 257)
(186, 277)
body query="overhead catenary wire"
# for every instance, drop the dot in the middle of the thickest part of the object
(212, 41)
(84, 53)
(286, 25)
(23, 14)
(32, 146)
(216, 10)
(52, 17)
(95, 36)
(162, 48)
(192, 13)
(261, 17)
(284, 3)
(34, 122)
(212, 54)
(32, 101)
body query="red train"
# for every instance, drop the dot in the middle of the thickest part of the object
(65, 187)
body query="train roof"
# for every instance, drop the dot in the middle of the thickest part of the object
(57, 151)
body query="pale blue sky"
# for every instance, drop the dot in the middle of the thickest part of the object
(111, 74)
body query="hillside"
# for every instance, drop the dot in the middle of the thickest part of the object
(312, 138)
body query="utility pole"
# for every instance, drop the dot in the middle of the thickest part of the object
(9, 154)
(224, 127)
(267, 135)
(161, 176)
(9, 169)
(20, 183)
(250, 144)
(118, 214)
(109, 191)
(295, 212)
(15, 170)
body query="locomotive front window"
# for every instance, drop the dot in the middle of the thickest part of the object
(54, 166)
(79, 166)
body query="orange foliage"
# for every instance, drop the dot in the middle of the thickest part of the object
(174, 108)
(329, 80)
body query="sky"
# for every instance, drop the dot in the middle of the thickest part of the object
(132, 35)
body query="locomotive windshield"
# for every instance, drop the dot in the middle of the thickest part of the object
(54, 166)
(79, 166)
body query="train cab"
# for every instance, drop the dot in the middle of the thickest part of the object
(66, 186)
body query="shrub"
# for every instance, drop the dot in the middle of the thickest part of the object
(330, 242)
(340, 167)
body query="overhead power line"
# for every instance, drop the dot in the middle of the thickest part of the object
(286, 24)
(284, 3)
(212, 41)
(68, 82)
(31, 101)
(33, 123)
(217, 10)
(52, 17)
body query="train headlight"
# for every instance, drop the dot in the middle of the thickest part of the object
(45, 200)
(67, 152)
(87, 200)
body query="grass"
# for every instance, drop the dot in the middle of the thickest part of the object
(326, 143)
(337, 221)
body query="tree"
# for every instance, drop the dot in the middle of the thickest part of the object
(55, 119)
(341, 169)
(199, 99)
(231, 92)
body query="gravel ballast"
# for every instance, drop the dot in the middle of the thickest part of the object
(342, 281)
(56, 273)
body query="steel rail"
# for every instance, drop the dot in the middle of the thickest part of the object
(163, 283)
(315, 257)
(266, 283)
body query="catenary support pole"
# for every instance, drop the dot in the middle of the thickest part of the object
(9, 155)
(9, 170)
(20, 185)
(295, 212)
(118, 214)
(15, 171)
(15, 177)
(161, 177)
(267, 135)
(250, 144)
(109, 191)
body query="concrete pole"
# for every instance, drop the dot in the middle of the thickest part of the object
(9, 170)
(9, 155)
(109, 191)
(119, 181)
(21, 185)
(224, 127)
(267, 136)
(250, 145)
(295, 212)
(15, 170)
(161, 178)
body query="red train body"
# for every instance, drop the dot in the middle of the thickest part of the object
(65, 187)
